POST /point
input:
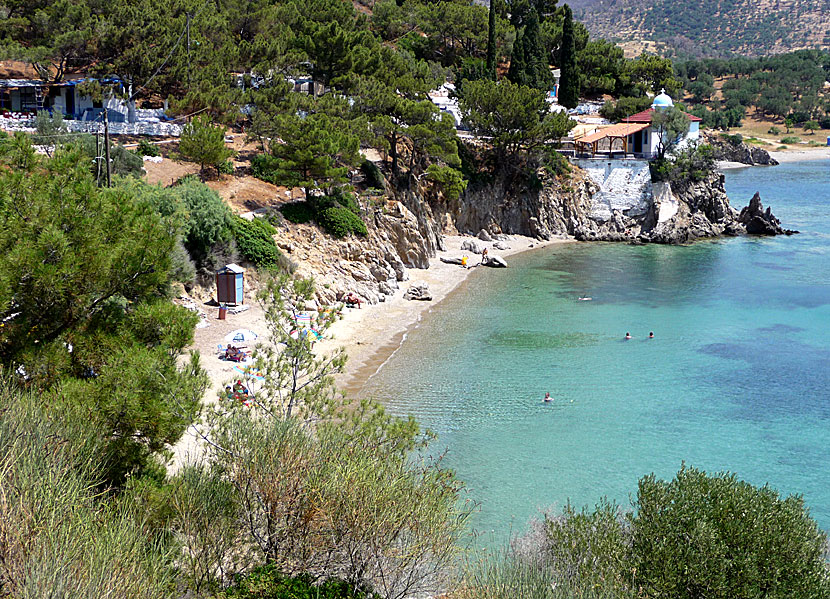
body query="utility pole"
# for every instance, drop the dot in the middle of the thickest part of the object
(107, 146)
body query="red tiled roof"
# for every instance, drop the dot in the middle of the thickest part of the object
(645, 117)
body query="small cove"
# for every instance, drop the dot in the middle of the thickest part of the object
(737, 377)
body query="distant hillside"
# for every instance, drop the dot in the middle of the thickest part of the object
(711, 27)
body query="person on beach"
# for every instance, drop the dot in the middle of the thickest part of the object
(548, 398)
(484, 256)
(651, 334)
(628, 335)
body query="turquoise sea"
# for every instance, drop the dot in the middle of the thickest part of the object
(737, 377)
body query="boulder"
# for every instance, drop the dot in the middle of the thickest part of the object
(484, 235)
(453, 260)
(470, 245)
(500, 245)
(495, 261)
(757, 221)
(418, 291)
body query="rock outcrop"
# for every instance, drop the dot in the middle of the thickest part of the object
(756, 221)
(732, 150)
(418, 291)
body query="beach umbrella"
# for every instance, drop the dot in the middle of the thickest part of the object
(309, 332)
(241, 336)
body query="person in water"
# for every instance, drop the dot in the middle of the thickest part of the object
(628, 335)
(651, 335)
(548, 398)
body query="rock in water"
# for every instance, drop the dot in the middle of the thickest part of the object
(495, 261)
(470, 245)
(418, 291)
(760, 222)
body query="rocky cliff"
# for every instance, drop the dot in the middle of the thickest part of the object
(405, 227)
(731, 149)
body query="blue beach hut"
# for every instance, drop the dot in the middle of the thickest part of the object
(230, 284)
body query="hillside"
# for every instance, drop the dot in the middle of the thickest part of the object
(711, 27)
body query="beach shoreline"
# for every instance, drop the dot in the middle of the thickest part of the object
(370, 335)
(799, 155)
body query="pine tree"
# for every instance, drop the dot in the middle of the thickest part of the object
(491, 41)
(569, 78)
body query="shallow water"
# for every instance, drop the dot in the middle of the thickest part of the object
(737, 377)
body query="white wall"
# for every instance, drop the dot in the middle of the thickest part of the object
(624, 185)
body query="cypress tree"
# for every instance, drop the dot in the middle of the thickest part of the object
(569, 78)
(517, 71)
(536, 63)
(491, 41)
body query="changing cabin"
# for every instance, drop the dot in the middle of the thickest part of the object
(230, 285)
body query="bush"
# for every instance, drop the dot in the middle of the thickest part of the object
(372, 175)
(298, 212)
(340, 222)
(735, 139)
(255, 241)
(773, 131)
(124, 162)
(790, 140)
(718, 537)
(59, 535)
(226, 168)
(263, 166)
(266, 582)
(208, 219)
(49, 129)
(689, 164)
(145, 148)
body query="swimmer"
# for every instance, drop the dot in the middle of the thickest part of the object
(628, 335)
(651, 335)
(585, 299)
(548, 398)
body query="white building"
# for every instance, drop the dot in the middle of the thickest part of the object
(635, 135)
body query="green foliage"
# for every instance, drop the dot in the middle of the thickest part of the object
(811, 126)
(204, 143)
(569, 79)
(687, 165)
(298, 212)
(225, 168)
(602, 69)
(451, 180)
(207, 218)
(624, 107)
(255, 240)
(670, 125)
(790, 140)
(341, 222)
(124, 162)
(145, 148)
(266, 582)
(316, 153)
(715, 536)
(529, 64)
(49, 129)
(736, 139)
(373, 178)
(58, 532)
(652, 73)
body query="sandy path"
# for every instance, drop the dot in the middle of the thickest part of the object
(369, 335)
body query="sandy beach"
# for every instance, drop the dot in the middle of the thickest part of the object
(798, 155)
(369, 334)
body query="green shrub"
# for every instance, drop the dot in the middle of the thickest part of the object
(689, 164)
(263, 167)
(266, 582)
(735, 139)
(145, 148)
(298, 212)
(225, 168)
(372, 175)
(340, 222)
(254, 239)
(208, 219)
(124, 162)
(50, 129)
(773, 131)
(790, 140)
(450, 180)
(717, 537)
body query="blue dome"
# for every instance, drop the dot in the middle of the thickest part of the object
(662, 100)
